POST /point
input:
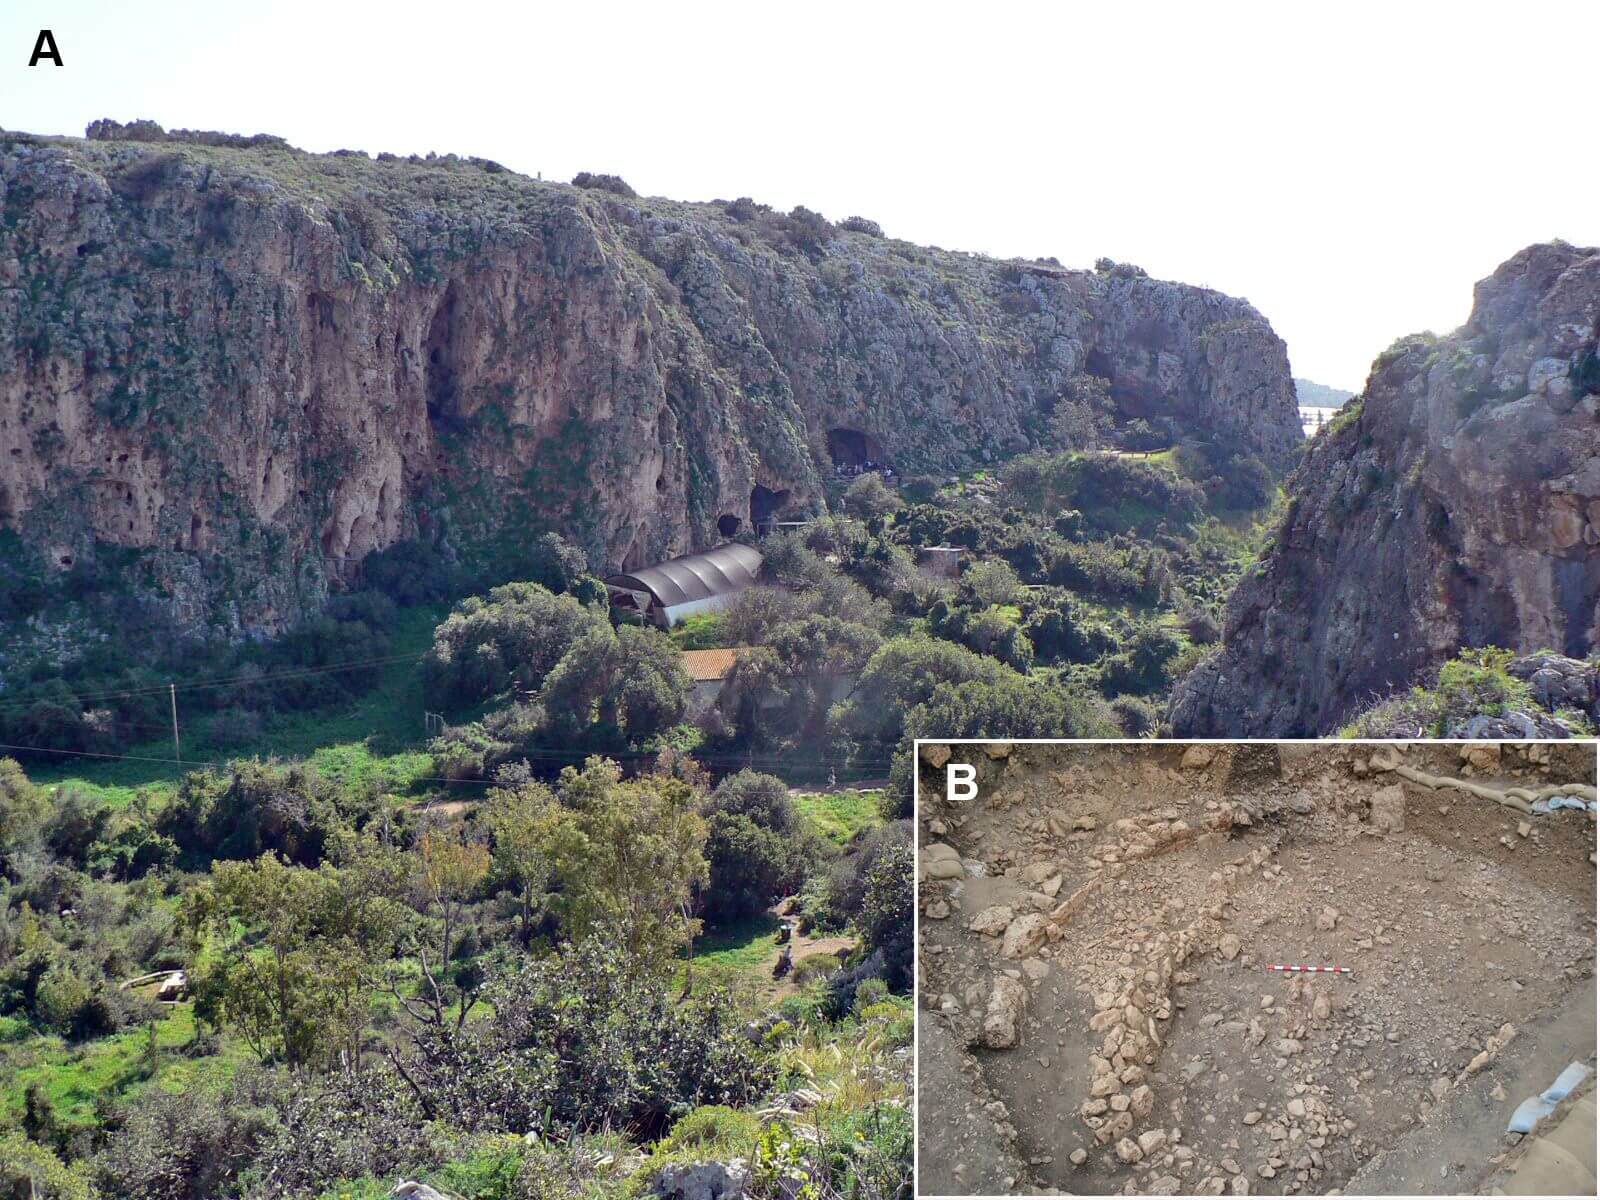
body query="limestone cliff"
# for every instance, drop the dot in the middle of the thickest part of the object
(1455, 503)
(250, 367)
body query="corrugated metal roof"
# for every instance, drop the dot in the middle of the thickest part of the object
(706, 665)
(715, 572)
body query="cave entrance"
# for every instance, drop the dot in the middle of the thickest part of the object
(728, 524)
(765, 504)
(853, 451)
(439, 362)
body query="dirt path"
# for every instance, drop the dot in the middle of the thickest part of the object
(1155, 1053)
(804, 947)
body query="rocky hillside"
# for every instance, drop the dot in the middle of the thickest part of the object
(1455, 503)
(244, 368)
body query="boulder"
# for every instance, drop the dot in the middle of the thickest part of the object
(935, 755)
(1002, 1018)
(1389, 809)
(992, 921)
(940, 861)
(1198, 758)
(1142, 1101)
(1558, 681)
(699, 1181)
(410, 1189)
(1025, 935)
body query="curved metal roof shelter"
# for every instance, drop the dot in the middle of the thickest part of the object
(715, 572)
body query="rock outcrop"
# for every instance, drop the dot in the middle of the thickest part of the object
(1455, 503)
(220, 350)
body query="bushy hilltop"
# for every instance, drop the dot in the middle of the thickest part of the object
(1455, 503)
(233, 369)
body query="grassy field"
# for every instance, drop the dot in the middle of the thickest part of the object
(74, 1078)
(379, 735)
(839, 816)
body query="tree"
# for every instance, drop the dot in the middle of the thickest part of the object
(756, 849)
(1142, 665)
(298, 951)
(452, 870)
(515, 816)
(902, 674)
(515, 635)
(886, 910)
(251, 807)
(991, 582)
(626, 853)
(1074, 426)
(616, 688)
(1061, 632)
(579, 1041)
(21, 805)
(868, 497)
(780, 692)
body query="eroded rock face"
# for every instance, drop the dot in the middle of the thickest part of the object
(218, 348)
(1459, 507)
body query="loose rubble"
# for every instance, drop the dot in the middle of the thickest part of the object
(1161, 1057)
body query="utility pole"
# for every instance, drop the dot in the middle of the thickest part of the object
(173, 692)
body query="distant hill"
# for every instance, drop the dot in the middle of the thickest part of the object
(1319, 395)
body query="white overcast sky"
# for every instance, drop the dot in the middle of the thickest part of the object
(1352, 169)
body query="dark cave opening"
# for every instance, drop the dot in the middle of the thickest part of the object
(439, 365)
(766, 503)
(853, 448)
(728, 524)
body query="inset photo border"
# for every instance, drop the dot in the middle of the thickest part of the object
(1255, 967)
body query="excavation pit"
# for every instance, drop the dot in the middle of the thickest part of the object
(1130, 900)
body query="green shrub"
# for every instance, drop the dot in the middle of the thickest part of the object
(29, 1171)
(614, 184)
(886, 912)
(868, 497)
(861, 225)
(582, 1040)
(491, 1170)
(757, 849)
(813, 967)
(514, 636)
(714, 1129)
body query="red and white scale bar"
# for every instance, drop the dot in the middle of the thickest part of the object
(1298, 967)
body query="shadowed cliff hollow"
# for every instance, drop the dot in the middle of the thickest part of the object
(219, 350)
(1455, 503)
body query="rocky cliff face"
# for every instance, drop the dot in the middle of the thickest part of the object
(250, 367)
(1458, 506)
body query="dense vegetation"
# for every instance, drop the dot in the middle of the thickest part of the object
(489, 994)
(526, 947)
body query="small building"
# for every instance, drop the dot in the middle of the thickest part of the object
(939, 562)
(709, 669)
(681, 587)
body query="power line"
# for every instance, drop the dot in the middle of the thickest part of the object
(265, 677)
